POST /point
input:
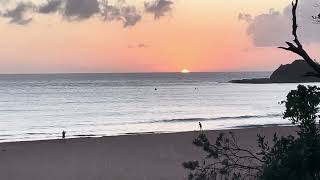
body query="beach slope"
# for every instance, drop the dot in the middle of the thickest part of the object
(134, 157)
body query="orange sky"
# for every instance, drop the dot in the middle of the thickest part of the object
(200, 35)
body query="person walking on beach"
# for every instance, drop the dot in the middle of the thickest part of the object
(200, 126)
(64, 134)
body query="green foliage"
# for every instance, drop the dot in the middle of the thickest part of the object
(297, 157)
(302, 107)
(290, 157)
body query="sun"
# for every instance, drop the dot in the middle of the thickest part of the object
(185, 71)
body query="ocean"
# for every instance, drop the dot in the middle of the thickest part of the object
(37, 107)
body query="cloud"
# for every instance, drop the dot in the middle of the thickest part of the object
(245, 17)
(158, 7)
(140, 45)
(17, 15)
(128, 14)
(71, 9)
(51, 6)
(270, 29)
(130, 17)
(274, 28)
(80, 9)
(111, 13)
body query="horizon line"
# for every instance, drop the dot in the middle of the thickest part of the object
(168, 72)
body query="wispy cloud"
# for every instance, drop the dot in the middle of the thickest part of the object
(140, 45)
(17, 15)
(128, 14)
(158, 7)
(245, 17)
(51, 6)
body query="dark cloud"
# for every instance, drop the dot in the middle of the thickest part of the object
(158, 7)
(71, 9)
(129, 15)
(274, 28)
(76, 10)
(80, 9)
(51, 6)
(17, 15)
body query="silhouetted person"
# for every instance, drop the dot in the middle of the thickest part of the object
(64, 134)
(200, 126)
(155, 89)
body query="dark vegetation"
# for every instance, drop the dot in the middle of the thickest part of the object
(294, 72)
(290, 157)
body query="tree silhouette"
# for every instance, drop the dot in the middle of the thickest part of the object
(291, 157)
(296, 47)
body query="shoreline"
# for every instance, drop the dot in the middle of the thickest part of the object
(135, 157)
(87, 136)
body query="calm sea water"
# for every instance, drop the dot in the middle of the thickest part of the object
(36, 107)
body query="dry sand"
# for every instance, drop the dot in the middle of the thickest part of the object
(134, 157)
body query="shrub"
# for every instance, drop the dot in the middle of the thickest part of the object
(291, 157)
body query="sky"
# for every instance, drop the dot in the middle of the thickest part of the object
(69, 36)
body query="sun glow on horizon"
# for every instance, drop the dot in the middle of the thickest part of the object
(182, 40)
(185, 71)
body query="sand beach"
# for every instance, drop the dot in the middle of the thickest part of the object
(130, 157)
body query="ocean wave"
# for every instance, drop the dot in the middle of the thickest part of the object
(196, 119)
(216, 118)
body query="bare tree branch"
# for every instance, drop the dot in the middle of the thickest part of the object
(294, 24)
(298, 48)
(227, 159)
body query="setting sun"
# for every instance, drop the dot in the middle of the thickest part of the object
(185, 71)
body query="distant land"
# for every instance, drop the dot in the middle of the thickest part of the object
(296, 72)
